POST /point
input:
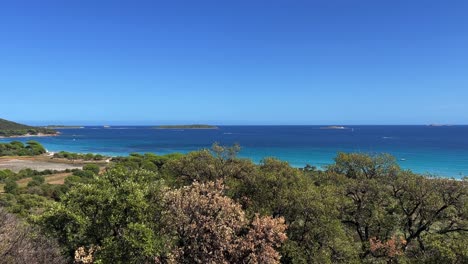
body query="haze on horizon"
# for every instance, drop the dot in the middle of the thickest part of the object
(242, 62)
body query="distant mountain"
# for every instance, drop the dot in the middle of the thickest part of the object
(13, 129)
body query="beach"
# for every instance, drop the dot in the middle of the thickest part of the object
(31, 135)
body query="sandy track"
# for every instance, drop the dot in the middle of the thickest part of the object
(17, 165)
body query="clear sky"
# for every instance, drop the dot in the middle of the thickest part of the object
(234, 62)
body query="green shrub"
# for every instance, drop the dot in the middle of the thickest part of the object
(92, 167)
(11, 186)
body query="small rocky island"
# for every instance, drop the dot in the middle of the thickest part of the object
(438, 125)
(333, 127)
(194, 126)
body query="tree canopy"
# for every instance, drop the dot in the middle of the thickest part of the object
(209, 206)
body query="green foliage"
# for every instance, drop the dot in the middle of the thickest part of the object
(92, 168)
(9, 128)
(444, 248)
(78, 156)
(73, 180)
(16, 148)
(315, 232)
(359, 165)
(84, 174)
(195, 166)
(24, 173)
(361, 209)
(10, 186)
(385, 205)
(206, 165)
(116, 212)
(36, 180)
(35, 148)
(23, 204)
(147, 161)
(4, 174)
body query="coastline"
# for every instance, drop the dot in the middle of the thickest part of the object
(433, 153)
(31, 135)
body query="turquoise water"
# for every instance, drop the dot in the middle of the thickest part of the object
(439, 151)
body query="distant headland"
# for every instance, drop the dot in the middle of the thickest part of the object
(13, 129)
(194, 126)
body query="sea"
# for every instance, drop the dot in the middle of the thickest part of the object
(440, 151)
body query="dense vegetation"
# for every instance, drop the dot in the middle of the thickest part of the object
(212, 207)
(79, 156)
(34, 148)
(16, 148)
(194, 126)
(9, 128)
(25, 173)
(28, 200)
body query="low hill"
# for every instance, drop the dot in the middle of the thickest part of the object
(11, 129)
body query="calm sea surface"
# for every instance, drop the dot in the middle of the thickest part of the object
(437, 150)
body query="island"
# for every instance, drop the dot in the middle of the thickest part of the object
(194, 126)
(13, 129)
(438, 125)
(62, 127)
(333, 127)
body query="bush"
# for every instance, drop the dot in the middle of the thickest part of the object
(38, 178)
(84, 174)
(11, 186)
(75, 156)
(16, 148)
(92, 167)
(4, 174)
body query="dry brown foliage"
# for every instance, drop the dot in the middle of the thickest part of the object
(85, 256)
(390, 248)
(20, 243)
(211, 228)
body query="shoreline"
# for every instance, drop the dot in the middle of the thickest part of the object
(296, 145)
(31, 135)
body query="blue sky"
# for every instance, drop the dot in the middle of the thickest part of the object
(234, 62)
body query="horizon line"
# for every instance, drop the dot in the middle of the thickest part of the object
(331, 124)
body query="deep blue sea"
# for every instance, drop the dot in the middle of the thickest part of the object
(441, 151)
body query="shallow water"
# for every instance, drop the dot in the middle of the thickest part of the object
(441, 151)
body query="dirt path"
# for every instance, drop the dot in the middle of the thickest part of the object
(19, 164)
